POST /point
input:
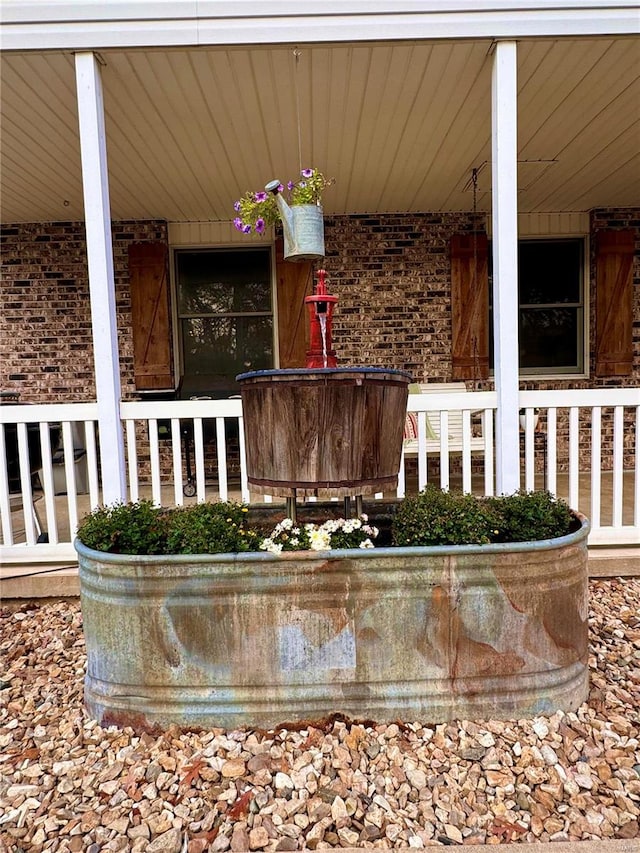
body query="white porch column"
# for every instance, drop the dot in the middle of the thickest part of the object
(504, 125)
(101, 280)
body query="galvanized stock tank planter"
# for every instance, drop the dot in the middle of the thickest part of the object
(424, 633)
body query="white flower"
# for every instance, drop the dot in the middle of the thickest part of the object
(271, 546)
(367, 544)
(319, 540)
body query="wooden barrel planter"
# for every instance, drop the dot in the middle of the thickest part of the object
(330, 432)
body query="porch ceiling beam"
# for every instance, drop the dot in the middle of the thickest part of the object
(179, 23)
(101, 278)
(504, 125)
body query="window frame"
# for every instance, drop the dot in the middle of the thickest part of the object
(177, 317)
(581, 371)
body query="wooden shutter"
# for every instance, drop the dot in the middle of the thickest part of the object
(614, 302)
(153, 365)
(469, 306)
(295, 281)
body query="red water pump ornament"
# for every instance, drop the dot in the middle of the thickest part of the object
(321, 305)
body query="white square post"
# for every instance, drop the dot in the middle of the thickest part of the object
(504, 156)
(97, 215)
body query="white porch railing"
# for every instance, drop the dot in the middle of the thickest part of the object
(586, 449)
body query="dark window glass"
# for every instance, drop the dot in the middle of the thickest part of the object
(551, 306)
(226, 319)
(548, 337)
(549, 271)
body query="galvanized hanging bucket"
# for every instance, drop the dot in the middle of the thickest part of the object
(303, 229)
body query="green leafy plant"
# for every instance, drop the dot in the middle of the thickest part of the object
(125, 528)
(143, 528)
(256, 210)
(530, 516)
(436, 517)
(433, 517)
(210, 528)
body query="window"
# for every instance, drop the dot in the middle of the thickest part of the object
(225, 317)
(551, 306)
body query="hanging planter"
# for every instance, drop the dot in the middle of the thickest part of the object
(303, 231)
(301, 216)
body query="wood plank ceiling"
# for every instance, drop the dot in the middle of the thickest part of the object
(399, 126)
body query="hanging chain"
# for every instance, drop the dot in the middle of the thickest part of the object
(297, 54)
(474, 178)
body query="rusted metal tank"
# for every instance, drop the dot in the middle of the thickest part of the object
(330, 432)
(255, 639)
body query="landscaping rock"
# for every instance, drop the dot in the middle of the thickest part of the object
(67, 783)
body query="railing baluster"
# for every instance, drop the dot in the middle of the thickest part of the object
(92, 464)
(198, 447)
(489, 462)
(552, 450)
(400, 490)
(132, 461)
(5, 501)
(596, 463)
(444, 450)
(244, 484)
(46, 474)
(176, 456)
(466, 451)
(154, 455)
(25, 485)
(618, 464)
(70, 477)
(529, 451)
(574, 456)
(422, 450)
(221, 450)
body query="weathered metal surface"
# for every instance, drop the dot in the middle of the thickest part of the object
(327, 432)
(303, 231)
(413, 633)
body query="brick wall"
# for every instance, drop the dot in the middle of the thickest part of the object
(46, 348)
(391, 274)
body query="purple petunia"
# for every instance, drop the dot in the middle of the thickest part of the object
(261, 196)
(238, 223)
(307, 173)
(260, 225)
(246, 229)
(280, 188)
(290, 185)
(236, 206)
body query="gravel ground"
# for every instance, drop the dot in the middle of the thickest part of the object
(67, 784)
